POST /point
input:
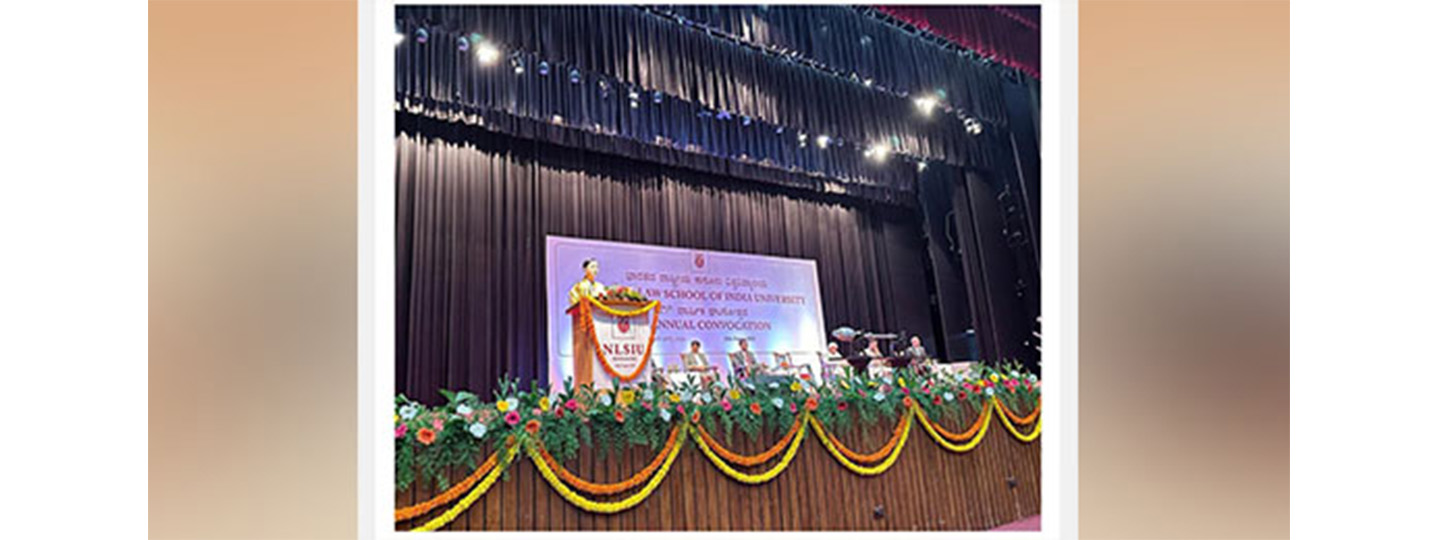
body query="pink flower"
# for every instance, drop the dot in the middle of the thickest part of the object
(572, 404)
(536, 412)
(648, 406)
(469, 415)
(680, 408)
(438, 424)
(400, 430)
(725, 404)
(1037, 384)
(840, 406)
(793, 408)
(512, 417)
(905, 391)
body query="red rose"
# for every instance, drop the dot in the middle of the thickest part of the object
(842, 406)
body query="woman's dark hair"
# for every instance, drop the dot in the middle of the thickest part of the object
(587, 262)
(694, 343)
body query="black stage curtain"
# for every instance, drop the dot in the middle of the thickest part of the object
(745, 99)
(474, 209)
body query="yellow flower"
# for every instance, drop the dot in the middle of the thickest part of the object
(795, 386)
(994, 378)
(674, 398)
(872, 384)
(502, 405)
(902, 381)
(626, 397)
(844, 384)
(734, 393)
(545, 403)
(397, 418)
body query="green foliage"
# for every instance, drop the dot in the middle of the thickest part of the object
(582, 416)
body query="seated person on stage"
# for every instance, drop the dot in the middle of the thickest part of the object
(832, 360)
(873, 349)
(694, 359)
(744, 361)
(917, 354)
(916, 350)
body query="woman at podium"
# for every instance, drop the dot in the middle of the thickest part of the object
(587, 286)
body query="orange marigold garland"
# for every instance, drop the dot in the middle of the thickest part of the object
(956, 437)
(1015, 419)
(411, 512)
(748, 461)
(878, 455)
(611, 489)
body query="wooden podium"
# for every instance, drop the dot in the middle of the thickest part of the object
(582, 341)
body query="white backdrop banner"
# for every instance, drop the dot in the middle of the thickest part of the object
(714, 297)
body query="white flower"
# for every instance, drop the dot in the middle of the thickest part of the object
(409, 411)
(879, 396)
(989, 391)
(1014, 374)
(747, 384)
(685, 395)
(463, 409)
(774, 385)
(779, 403)
(513, 403)
(605, 399)
(1033, 378)
(649, 395)
(706, 398)
(949, 396)
(478, 429)
(665, 414)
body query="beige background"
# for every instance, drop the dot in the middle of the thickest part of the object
(1184, 196)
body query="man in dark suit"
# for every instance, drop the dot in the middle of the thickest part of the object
(743, 361)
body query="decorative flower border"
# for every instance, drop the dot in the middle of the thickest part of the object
(550, 428)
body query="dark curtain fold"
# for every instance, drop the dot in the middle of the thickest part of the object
(635, 82)
(474, 208)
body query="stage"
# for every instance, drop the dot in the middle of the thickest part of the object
(634, 244)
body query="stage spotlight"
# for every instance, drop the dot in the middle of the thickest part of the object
(574, 76)
(422, 35)
(517, 63)
(487, 53)
(878, 152)
(399, 38)
(543, 68)
(557, 119)
(920, 167)
(802, 137)
(869, 82)
(926, 104)
(823, 141)
(973, 126)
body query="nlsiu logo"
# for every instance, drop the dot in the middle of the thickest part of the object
(699, 260)
(624, 325)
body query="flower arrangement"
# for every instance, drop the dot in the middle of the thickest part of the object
(623, 292)
(429, 439)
